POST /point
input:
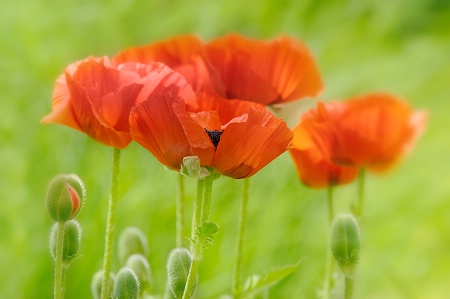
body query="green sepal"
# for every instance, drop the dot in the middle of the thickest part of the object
(96, 284)
(141, 267)
(72, 239)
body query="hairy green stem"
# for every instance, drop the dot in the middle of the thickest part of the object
(180, 211)
(207, 195)
(59, 277)
(236, 283)
(196, 248)
(190, 283)
(198, 204)
(110, 223)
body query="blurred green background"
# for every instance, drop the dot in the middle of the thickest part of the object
(401, 47)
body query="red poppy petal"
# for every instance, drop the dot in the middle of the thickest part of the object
(246, 147)
(172, 52)
(62, 111)
(154, 125)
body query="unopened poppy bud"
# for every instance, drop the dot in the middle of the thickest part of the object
(96, 284)
(126, 285)
(191, 167)
(132, 240)
(178, 266)
(140, 266)
(345, 242)
(72, 238)
(65, 197)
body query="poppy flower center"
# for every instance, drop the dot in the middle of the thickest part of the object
(214, 135)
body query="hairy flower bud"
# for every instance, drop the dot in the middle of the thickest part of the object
(72, 238)
(140, 266)
(127, 285)
(345, 242)
(178, 266)
(96, 284)
(65, 197)
(132, 240)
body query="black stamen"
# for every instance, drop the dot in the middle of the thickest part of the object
(214, 135)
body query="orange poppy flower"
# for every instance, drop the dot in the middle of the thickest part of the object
(267, 72)
(311, 148)
(184, 54)
(236, 138)
(375, 130)
(95, 97)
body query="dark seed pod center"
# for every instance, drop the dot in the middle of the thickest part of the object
(214, 135)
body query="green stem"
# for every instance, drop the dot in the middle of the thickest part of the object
(190, 283)
(348, 287)
(240, 238)
(110, 224)
(198, 204)
(207, 195)
(329, 259)
(179, 212)
(197, 249)
(360, 205)
(59, 278)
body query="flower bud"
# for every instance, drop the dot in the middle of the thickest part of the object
(132, 240)
(96, 284)
(178, 266)
(140, 266)
(127, 285)
(72, 238)
(345, 242)
(65, 197)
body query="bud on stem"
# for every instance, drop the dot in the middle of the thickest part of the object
(65, 197)
(345, 242)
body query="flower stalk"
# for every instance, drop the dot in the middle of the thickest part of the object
(180, 211)
(59, 277)
(110, 223)
(236, 283)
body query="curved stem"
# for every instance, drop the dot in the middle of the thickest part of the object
(190, 283)
(240, 238)
(59, 278)
(348, 288)
(110, 223)
(179, 212)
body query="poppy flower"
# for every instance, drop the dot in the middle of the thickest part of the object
(236, 138)
(95, 97)
(267, 72)
(311, 147)
(184, 54)
(375, 130)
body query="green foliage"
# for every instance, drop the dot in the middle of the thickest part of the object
(256, 284)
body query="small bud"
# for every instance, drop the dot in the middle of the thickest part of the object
(72, 238)
(345, 242)
(178, 266)
(132, 240)
(96, 284)
(191, 167)
(127, 285)
(140, 266)
(65, 197)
